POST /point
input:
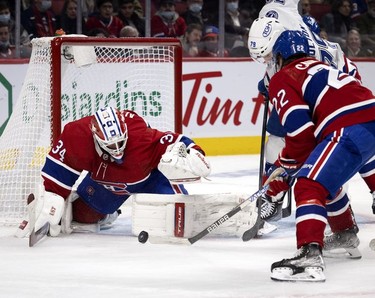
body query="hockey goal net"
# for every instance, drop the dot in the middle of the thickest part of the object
(70, 77)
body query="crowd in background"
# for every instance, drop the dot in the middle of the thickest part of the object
(351, 23)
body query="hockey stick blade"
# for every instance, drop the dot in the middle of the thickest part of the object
(253, 231)
(37, 236)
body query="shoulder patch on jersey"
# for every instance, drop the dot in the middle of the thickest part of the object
(272, 14)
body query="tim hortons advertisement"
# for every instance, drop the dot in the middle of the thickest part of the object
(221, 104)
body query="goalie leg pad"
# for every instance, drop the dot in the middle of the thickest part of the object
(187, 215)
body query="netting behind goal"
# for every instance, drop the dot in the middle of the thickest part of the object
(71, 77)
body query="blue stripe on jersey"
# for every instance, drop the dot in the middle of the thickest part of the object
(315, 87)
(311, 209)
(63, 176)
(297, 119)
(338, 205)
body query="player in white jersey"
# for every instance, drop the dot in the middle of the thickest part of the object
(274, 18)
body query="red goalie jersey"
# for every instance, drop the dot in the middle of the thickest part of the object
(76, 151)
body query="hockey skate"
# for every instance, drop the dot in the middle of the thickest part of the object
(271, 211)
(337, 243)
(307, 265)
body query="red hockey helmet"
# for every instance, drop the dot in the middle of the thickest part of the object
(110, 132)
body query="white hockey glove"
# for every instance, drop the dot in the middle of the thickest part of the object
(181, 165)
(47, 207)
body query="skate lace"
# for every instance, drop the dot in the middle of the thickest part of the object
(267, 208)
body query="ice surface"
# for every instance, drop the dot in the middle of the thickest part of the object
(113, 264)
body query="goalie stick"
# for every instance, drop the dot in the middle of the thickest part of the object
(35, 236)
(191, 240)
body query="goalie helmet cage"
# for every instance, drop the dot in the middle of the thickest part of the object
(72, 76)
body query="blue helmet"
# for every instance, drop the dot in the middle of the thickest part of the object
(290, 43)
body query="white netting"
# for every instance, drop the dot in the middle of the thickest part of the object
(127, 74)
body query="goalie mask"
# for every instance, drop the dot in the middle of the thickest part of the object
(110, 132)
(262, 36)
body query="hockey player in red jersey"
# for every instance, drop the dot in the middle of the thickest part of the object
(330, 122)
(275, 17)
(122, 155)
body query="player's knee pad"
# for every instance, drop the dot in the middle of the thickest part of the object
(307, 190)
(83, 213)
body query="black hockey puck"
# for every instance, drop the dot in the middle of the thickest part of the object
(143, 236)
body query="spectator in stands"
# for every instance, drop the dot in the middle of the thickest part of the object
(105, 19)
(190, 40)
(88, 8)
(359, 8)
(366, 26)
(129, 31)
(305, 7)
(39, 20)
(323, 34)
(235, 31)
(353, 46)
(193, 15)
(210, 43)
(166, 22)
(7, 50)
(338, 22)
(6, 18)
(68, 18)
(129, 17)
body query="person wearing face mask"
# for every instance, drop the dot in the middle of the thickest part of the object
(236, 30)
(166, 22)
(209, 44)
(366, 26)
(7, 50)
(6, 18)
(193, 15)
(38, 19)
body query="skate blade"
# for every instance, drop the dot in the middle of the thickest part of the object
(266, 229)
(348, 253)
(311, 274)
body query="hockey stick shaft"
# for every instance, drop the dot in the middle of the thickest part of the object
(211, 227)
(254, 197)
(263, 141)
(287, 211)
(228, 215)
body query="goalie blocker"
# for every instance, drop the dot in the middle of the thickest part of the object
(186, 215)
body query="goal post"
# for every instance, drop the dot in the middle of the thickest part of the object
(72, 76)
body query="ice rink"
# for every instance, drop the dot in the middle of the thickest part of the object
(114, 264)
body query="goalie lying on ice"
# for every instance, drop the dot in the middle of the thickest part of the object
(118, 154)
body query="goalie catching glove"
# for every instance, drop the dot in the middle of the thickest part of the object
(181, 165)
(47, 207)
